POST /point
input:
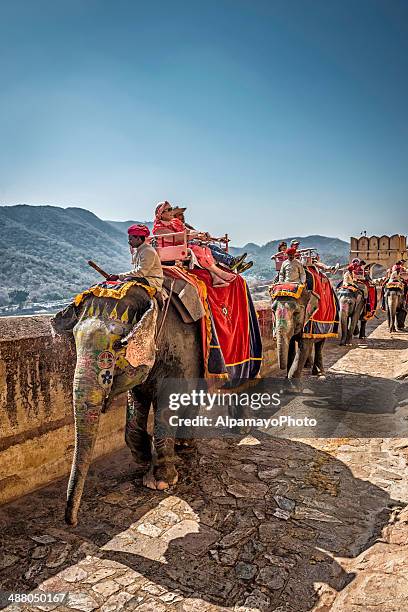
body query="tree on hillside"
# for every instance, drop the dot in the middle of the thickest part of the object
(4, 299)
(18, 296)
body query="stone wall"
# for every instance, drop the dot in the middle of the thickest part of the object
(36, 421)
(381, 250)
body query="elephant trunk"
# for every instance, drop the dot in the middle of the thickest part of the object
(86, 429)
(283, 349)
(344, 319)
(284, 322)
(92, 384)
(392, 303)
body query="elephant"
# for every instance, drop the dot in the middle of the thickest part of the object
(352, 304)
(293, 349)
(102, 372)
(396, 310)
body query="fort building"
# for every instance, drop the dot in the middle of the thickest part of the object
(381, 250)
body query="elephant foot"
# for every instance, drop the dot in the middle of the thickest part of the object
(160, 478)
(185, 445)
(317, 372)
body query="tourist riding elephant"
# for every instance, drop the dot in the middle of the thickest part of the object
(293, 349)
(102, 327)
(352, 304)
(395, 305)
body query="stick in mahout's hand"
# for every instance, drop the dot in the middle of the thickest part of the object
(98, 269)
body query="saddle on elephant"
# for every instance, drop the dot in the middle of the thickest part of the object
(395, 284)
(114, 289)
(286, 290)
(324, 321)
(320, 302)
(348, 287)
(231, 340)
(371, 300)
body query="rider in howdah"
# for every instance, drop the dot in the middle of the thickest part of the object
(237, 264)
(165, 223)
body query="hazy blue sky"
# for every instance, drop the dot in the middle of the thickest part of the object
(266, 118)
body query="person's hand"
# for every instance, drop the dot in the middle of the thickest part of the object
(113, 277)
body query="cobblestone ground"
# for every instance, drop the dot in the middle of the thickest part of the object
(267, 524)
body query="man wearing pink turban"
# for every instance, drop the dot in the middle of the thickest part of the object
(145, 260)
(165, 223)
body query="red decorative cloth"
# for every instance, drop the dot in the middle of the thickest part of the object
(229, 308)
(324, 321)
(232, 345)
(371, 303)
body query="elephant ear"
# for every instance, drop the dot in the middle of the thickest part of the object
(65, 320)
(141, 345)
(311, 306)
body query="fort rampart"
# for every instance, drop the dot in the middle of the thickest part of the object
(36, 419)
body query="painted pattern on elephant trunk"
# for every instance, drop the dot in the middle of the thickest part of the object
(283, 331)
(92, 384)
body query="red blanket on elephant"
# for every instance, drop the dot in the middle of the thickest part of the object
(371, 304)
(324, 322)
(231, 338)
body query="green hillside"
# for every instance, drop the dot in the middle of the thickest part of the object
(44, 249)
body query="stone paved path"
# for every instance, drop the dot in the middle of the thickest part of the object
(267, 524)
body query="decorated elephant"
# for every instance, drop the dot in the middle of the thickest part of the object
(304, 316)
(293, 348)
(111, 333)
(352, 306)
(395, 306)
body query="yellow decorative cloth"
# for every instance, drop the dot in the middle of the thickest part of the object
(112, 289)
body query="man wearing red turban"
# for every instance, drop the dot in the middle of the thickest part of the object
(292, 271)
(145, 260)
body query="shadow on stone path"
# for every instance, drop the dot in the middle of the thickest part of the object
(254, 525)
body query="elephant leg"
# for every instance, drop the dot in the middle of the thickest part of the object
(303, 352)
(389, 320)
(291, 354)
(363, 324)
(391, 312)
(311, 358)
(401, 315)
(354, 321)
(162, 473)
(344, 320)
(318, 367)
(136, 435)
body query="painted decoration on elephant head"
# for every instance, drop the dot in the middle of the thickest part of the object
(105, 378)
(105, 360)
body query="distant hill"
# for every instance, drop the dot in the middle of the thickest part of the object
(45, 249)
(123, 225)
(331, 251)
